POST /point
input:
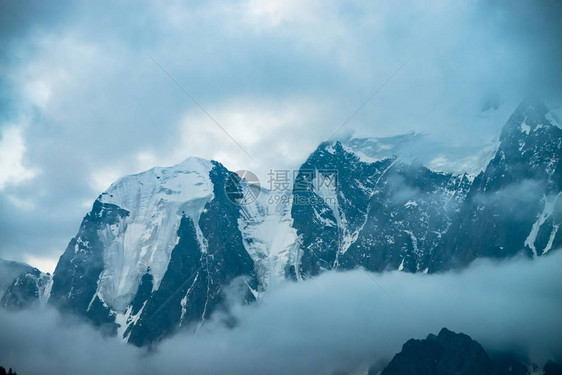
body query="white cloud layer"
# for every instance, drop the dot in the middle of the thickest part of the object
(12, 151)
(336, 322)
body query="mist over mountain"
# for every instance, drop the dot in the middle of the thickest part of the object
(338, 321)
(281, 187)
(23, 286)
(166, 249)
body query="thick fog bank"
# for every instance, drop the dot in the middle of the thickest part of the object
(337, 321)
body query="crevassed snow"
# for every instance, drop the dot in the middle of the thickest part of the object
(471, 164)
(45, 290)
(156, 200)
(417, 147)
(268, 236)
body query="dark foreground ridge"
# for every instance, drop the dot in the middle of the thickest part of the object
(9, 372)
(455, 353)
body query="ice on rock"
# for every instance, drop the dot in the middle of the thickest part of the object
(156, 200)
(268, 236)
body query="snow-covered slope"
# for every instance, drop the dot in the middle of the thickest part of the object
(269, 236)
(419, 148)
(156, 200)
(167, 238)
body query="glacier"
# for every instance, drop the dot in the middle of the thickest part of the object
(156, 200)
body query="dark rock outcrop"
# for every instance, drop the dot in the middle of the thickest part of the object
(391, 213)
(449, 353)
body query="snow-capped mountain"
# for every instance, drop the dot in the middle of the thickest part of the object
(22, 286)
(389, 212)
(386, 213)
(516, 202)
(168, 247)
(156, 252)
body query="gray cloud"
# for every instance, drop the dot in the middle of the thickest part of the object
(518, 199)
(336, 322)
(280, 76)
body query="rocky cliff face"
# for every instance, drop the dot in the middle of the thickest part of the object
(515, 204)
(22, 286)
(156, 252)
(390, 212)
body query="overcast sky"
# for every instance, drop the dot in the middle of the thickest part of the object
(82, 102)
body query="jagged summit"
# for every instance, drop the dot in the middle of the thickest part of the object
(530, 116)
(22, 285)
(388, 213)
(370, 150)
(415, 148)
(9, 270)
(449, 353)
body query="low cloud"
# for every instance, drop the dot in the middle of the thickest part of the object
(12, 150)
(518, 199)
(335, 322)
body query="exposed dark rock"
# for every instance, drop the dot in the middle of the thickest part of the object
(392, 213)
(192, 287)
(446, 354)
(552, 368)
(22, 286)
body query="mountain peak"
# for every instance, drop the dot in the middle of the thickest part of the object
(22, 285)
(10, 270)
(181, 182)
(154, 201)
(532, 104)
(449, 353)
(530, 115)
(373, 149)
(193, 163)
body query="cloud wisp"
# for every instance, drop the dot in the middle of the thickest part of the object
(335, 322)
